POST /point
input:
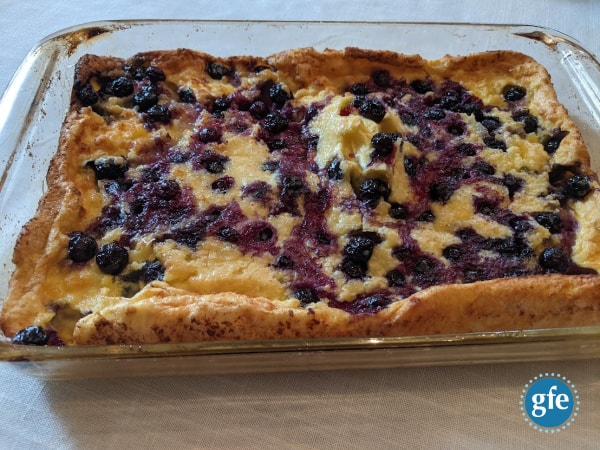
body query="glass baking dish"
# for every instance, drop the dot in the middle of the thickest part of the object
(34, 105)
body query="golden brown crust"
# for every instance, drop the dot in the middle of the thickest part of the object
(162, 313)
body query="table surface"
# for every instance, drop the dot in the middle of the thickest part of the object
(433, 407)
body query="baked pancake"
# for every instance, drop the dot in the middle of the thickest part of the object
(308, 194)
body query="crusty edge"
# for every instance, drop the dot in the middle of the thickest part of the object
(504, 304)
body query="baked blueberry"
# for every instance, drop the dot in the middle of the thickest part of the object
(223, 184)
(552, 143)
(372, 190)
(372, 109)
(275, 122)
(530, 123)
(398, 211)
(33, 335)
(492, 142)
(353, 270)
(159, 113)
(491, 123)
(360, 89)
(284, 262)
(421, 86)
(279, 94)
(109, 167)
(513, 93)
(112, 258)
(550, 221)
(383, 143)
(187, 95)
(450, 99)
(155, 74)
(82, 247)
(334, 171)
(276, 144)
(554, 259)
(228, 234)
(395, 278)
(217, 71)
(221, 104)
(381, 78)
(209, 134)
(146, 97)
(306, 295)
(360, 248)
(454, 252)
(86, 95)
(513, 184)
(121, 87)
(577, 186)
(258, 109)
(434, 114)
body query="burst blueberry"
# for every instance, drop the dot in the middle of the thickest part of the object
(82, 247)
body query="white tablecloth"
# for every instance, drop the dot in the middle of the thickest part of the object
(435, 407)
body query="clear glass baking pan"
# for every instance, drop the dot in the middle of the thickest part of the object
(34, 105)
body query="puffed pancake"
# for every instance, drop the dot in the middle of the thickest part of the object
(308, 194)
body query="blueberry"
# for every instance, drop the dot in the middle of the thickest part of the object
(530, 123)
(491, 123)
(454, 252)
(421, 86)
(484, 167)
(146, 97)
(86, 95)
(257, 190)
(456, 129)
(34, 335)
(292, 183)
(109, 167)
(472, 109)
(550, 220)
(270, 166)
(217, 71)
(306, 295)
(423, 265)
(215, 166)
(276, 144)
(372, 190)
(552, 143)
(381, 78)
(121, 87)
(360, 89)
(440, 192)
(577, 186)
(434, 114)
(513, 93)
(554, 259)
(410, 166)
(155, 74)
(353, 269)
(334, 171)
(151, 271)
(159, 113)
(279, 94)
(187, 95)
(398, 211)
(228, 234)
(82, 247)
(466, 149)
(372, 109)
(513, 184)
(383, 143)
(491, 142)
(221, 104)
(275, 122)
(284, 262)
(360, 248)
(426, 216)
(450, 99)
(112, 258)
(258, 109)
(222, 184)
(395, 278)
(264, 235)
(209, 134)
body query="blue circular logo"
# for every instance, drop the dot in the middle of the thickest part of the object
(549, 402)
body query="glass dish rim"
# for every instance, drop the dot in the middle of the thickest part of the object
(12, 352)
